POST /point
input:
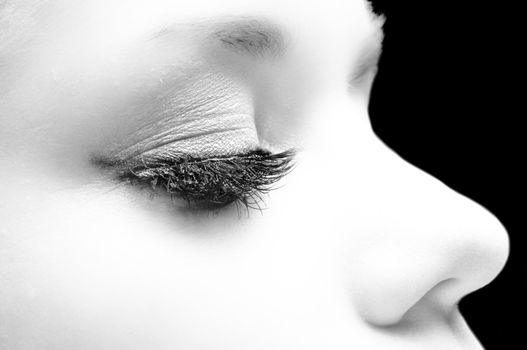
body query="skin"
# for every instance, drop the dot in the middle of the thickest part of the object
(357, 249)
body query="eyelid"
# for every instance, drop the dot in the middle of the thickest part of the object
(210, 182)
(188, 115)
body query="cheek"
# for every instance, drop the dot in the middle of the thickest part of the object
(99, 271)
(102, 268)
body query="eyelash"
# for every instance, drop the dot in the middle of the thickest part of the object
(211, 183)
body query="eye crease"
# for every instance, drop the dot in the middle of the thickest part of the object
(207, 182)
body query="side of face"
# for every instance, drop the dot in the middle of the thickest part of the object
(355, 248)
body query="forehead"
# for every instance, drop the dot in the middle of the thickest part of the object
(331, 29)
(338, 17)
(289, 9)
(335, 34)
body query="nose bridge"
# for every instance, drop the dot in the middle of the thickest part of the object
(430, 244)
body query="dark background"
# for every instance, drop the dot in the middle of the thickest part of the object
(444, 100)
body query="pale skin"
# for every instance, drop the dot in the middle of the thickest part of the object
(356, 249)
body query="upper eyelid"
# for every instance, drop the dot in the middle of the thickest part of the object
(165, 142)
(194, 107)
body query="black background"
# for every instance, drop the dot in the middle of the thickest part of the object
(444, 99)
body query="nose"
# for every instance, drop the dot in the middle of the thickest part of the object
(429, 247)
(412, 242)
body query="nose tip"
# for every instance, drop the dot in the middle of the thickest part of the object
(454, 247)
(478, 256)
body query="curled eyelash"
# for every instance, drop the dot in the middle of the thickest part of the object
(211, 183)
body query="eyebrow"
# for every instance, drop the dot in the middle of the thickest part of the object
(252, 36)
(258, 38)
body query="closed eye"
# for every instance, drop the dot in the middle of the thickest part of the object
(209, 182)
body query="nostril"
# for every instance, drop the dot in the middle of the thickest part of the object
(391, 281)
(441, 299)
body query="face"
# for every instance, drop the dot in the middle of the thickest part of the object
(101, 248)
